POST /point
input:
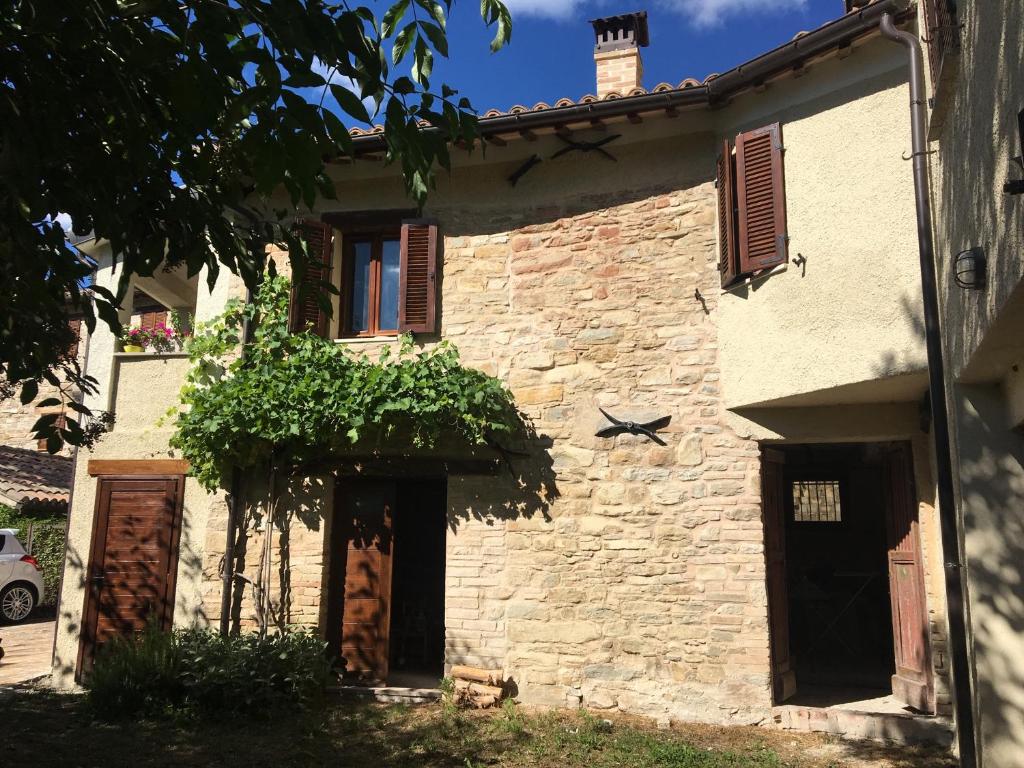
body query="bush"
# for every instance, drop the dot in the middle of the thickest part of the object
(47, 544)
(199, 672)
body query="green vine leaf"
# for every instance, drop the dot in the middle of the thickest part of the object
(295, 397)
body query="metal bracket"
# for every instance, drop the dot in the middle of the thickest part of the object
(937, 27)
(912, 155)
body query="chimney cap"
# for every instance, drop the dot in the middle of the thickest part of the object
(625, 30)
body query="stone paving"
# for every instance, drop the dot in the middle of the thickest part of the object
(27, 651)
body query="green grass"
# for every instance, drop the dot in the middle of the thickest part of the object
(45, 729)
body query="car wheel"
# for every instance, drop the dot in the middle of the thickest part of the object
(16, 603)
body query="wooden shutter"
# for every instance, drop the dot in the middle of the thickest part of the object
(761, 199)
(912, 683)
(773, 513)
(306, 310)
(150, 320)
(417, 292)
(726, 216)
(75, 326)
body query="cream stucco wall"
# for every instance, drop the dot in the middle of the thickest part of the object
(846, 324)
(975, 137)
(139, 390)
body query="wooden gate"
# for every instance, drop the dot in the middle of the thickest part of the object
(360, 594)
(133, 561)
(773, 489)
(912, 682)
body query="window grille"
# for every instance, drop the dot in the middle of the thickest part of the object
(816, 501)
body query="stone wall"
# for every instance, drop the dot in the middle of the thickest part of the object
(633, 575)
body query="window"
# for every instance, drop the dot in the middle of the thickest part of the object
(942, 34)
(369, 285)
(751, 204)
(816, 501)
(386, 277)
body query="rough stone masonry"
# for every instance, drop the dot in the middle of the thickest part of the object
(644, 587)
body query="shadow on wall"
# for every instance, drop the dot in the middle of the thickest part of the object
(976, 149)
(522, 486)
(895, 362)
(136, 589)
(992, 488)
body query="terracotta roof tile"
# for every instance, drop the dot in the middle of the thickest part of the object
(27, 475)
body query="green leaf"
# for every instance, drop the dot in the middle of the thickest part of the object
(350, 103)
(403, 42)
(392, 16)
(436, 36)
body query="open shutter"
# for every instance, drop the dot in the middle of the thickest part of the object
(912, 683)
(148, 321)
(773, 508)
(417, 292)
(306, 311)
(761, 199)
(726, 216)
(75, 327)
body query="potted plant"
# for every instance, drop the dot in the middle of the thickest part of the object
(135, 340)
(162, 338)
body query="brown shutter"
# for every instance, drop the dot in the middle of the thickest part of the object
(417, 292)
(761, 199)
(306, 311)
(75, 326)
(726, 216)
(150, 320)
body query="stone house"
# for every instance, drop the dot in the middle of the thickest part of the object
(747, 266)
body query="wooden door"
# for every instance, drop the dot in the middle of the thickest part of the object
(912, 682)
(133, 561)
(773, 505)
(363, 550)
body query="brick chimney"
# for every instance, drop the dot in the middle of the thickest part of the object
(618, 40)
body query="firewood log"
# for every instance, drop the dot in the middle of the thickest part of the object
(477, 675)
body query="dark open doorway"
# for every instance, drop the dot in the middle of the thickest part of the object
(844, 570)
(385, 616)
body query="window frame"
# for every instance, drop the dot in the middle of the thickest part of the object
(346, 287)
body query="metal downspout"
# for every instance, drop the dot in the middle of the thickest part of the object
(228, 576)
(959, 652)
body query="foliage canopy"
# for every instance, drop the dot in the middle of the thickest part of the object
(170, 128)
(296, 397)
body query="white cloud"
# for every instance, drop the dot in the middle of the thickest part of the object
(712, 13)
(64, 220)
(701, 13)
(556, 9)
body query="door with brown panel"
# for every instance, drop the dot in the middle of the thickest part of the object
(362, 551)
(133, 560)
(912, 683)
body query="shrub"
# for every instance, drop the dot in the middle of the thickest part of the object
(199, 672)
(47, 543)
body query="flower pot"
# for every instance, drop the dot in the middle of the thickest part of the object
(133, 348)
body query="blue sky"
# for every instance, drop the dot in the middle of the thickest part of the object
(551, 54)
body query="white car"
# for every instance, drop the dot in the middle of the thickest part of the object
(21, 581)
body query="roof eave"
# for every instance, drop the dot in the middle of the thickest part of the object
(836, 34)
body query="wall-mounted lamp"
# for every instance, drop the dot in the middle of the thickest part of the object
(969, 269)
